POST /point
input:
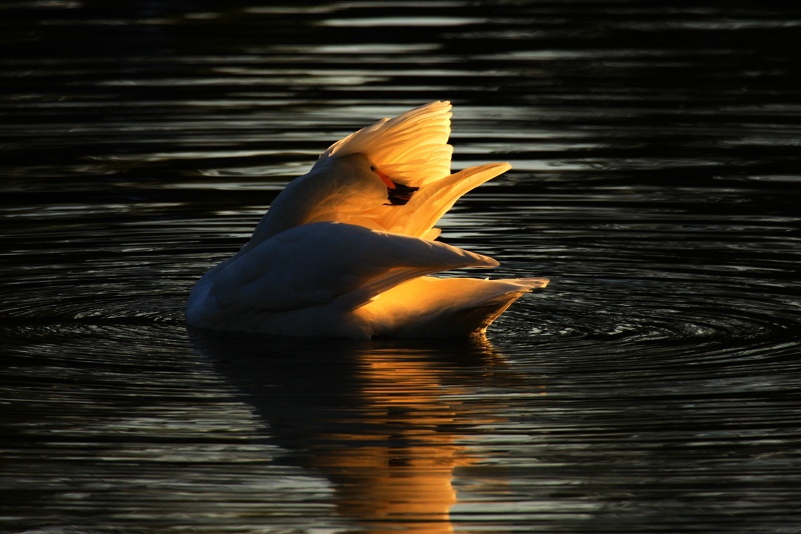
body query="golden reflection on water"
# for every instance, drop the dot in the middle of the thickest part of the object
(383, 427)
(410, 475)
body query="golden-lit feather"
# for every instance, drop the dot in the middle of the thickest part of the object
(412, 148)
(333, 257)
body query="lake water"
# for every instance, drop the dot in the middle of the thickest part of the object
(654, 386)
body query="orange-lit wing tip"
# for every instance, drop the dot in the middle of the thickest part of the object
(384, 178)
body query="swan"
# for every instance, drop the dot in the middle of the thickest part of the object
(347, 249)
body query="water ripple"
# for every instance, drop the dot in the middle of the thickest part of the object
(652, 387)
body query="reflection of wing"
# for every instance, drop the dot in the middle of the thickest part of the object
(370, 417)
(332, 264)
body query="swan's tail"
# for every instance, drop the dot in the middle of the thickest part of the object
(444, 307)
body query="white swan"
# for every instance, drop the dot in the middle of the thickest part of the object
(345, 250)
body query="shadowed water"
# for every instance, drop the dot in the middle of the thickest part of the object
(654, 386)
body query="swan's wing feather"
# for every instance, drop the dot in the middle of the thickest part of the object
(331, 263)
(427, 205)
(431, 202)
(436, 307)
(412, 148)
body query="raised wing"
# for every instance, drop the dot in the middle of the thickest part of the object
(418, 217)
(412, 148)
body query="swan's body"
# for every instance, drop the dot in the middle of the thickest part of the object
(333, 257)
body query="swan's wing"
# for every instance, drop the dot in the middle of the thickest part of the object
(331, 263)
(412, 148)
(418, 216)
(432, 201)
(443, 307)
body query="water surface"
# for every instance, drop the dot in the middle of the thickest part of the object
(652, 387)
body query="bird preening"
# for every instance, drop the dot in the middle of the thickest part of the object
(347, 250)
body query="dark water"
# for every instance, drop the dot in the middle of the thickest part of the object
(655, 386)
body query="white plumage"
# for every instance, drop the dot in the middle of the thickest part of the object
(334, 257)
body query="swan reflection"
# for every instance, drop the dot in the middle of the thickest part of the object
(380, 420)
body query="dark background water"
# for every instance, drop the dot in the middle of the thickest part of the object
(652, 387)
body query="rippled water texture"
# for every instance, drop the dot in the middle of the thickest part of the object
(652, 387)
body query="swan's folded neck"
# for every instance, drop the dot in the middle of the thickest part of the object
(329, 192)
